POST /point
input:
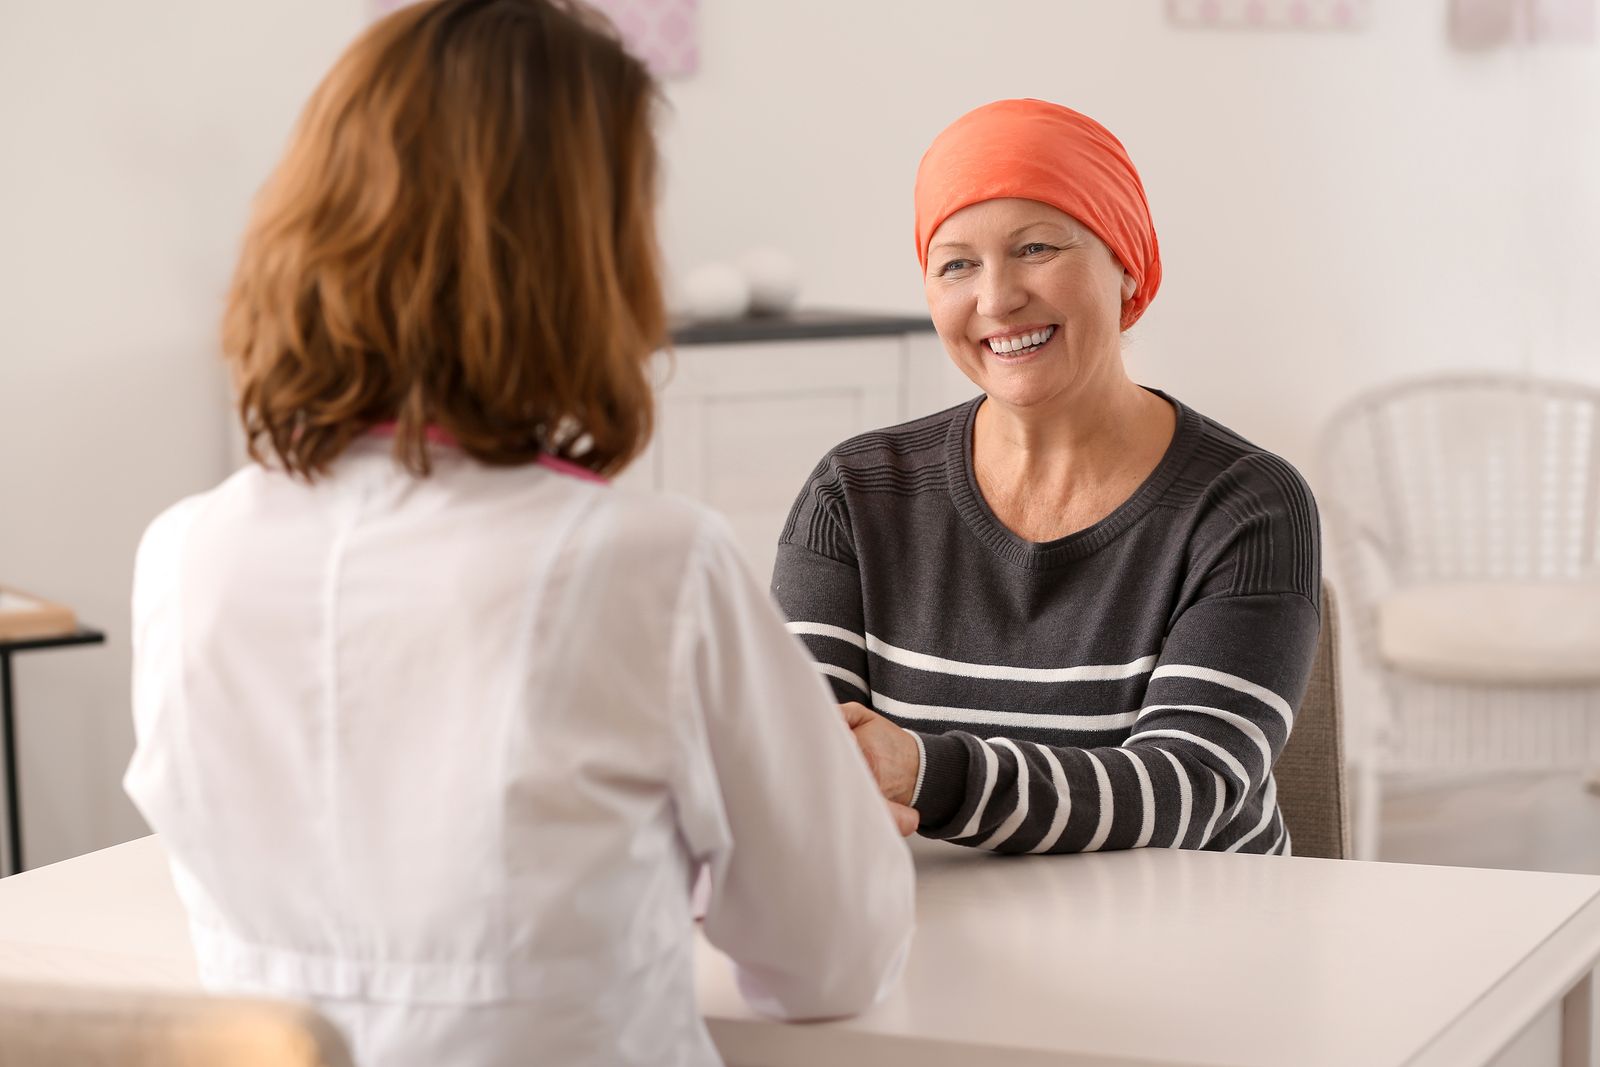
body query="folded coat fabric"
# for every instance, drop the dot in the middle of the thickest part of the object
(1036, 150)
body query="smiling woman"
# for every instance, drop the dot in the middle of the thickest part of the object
(1071, 614)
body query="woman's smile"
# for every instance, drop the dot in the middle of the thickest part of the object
(1018, 345)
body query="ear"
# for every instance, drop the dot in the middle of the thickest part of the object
(1129, 287)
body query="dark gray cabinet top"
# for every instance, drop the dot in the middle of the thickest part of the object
(795, 326)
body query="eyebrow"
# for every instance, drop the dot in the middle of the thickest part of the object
(1012, 236)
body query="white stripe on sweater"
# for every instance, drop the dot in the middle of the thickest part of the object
(848, 677)
(991, 767)
(1185, 799)
(1020, 812)
(1238, 722)
(1106, 672)
(1103, 780)
(823, 629)
(980, 716)
(1211, 824)
(922, 766)
(1147, 797)
(1269, 807)
(1229, 681)
(1058, 822)
(1228, 760)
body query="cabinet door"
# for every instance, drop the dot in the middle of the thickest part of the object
(742, 426)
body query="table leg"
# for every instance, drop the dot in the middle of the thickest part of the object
(8, 735)
(1577, 1024)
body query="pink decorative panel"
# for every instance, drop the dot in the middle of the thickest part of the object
(1571, 21)
(1481, 24)
(1269, 14)
(663, 33)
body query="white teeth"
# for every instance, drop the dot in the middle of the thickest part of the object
(1006, 345)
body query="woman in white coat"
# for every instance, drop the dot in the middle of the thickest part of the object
(438, 727)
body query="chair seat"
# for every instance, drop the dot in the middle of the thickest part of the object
(1506, 633)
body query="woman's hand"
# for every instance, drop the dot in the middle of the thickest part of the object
(906, 818)
(890, 751)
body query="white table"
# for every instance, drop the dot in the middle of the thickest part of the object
(1138, 958)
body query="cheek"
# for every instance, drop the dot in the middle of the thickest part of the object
(1084, 287)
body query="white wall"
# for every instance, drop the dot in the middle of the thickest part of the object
(132, 137)
(1334, 210)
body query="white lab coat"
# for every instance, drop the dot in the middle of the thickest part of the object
(443, 756)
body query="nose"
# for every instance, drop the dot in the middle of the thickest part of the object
(1000, 291)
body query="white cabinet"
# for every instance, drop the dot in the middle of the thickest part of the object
(741, 425)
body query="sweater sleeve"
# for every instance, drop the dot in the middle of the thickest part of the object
(1195, 772)
(817, 584)
(821, 598)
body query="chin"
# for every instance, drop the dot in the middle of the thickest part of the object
(1014, 393)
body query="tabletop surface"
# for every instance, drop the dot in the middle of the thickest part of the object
(1143, 957)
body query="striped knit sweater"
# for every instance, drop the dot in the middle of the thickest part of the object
(1129, 685)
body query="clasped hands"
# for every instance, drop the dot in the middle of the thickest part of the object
(892, 756)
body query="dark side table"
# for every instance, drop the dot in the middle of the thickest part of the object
(8, 728)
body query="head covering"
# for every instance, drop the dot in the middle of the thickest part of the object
(1036, 150)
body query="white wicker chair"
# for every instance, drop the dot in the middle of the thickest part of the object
(1464, 517)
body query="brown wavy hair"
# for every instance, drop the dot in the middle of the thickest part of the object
(460, 235)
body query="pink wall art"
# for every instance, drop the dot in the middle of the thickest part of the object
(663, 33)
(1480, 24)
(1311, 15)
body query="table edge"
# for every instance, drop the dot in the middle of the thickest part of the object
(1488, 1025)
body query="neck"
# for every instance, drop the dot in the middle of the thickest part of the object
(1050, 470)
(1073, 435)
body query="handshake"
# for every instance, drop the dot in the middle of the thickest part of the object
(893, 756)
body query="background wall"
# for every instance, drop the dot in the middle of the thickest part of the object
(132, 138)
(1334, 210)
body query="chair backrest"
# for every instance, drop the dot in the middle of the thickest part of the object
(1466, 477)
(52, 1025)
(1310, 772)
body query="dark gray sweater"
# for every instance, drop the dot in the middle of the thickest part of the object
(1131, 684)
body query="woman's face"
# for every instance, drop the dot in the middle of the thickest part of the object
(1027, 301)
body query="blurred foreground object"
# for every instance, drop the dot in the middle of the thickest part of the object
(1464, 515)
(49, 1025)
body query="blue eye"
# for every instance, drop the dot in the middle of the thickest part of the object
(954, 265)
(1035, 248)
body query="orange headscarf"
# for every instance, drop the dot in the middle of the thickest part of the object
(1040, 151)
